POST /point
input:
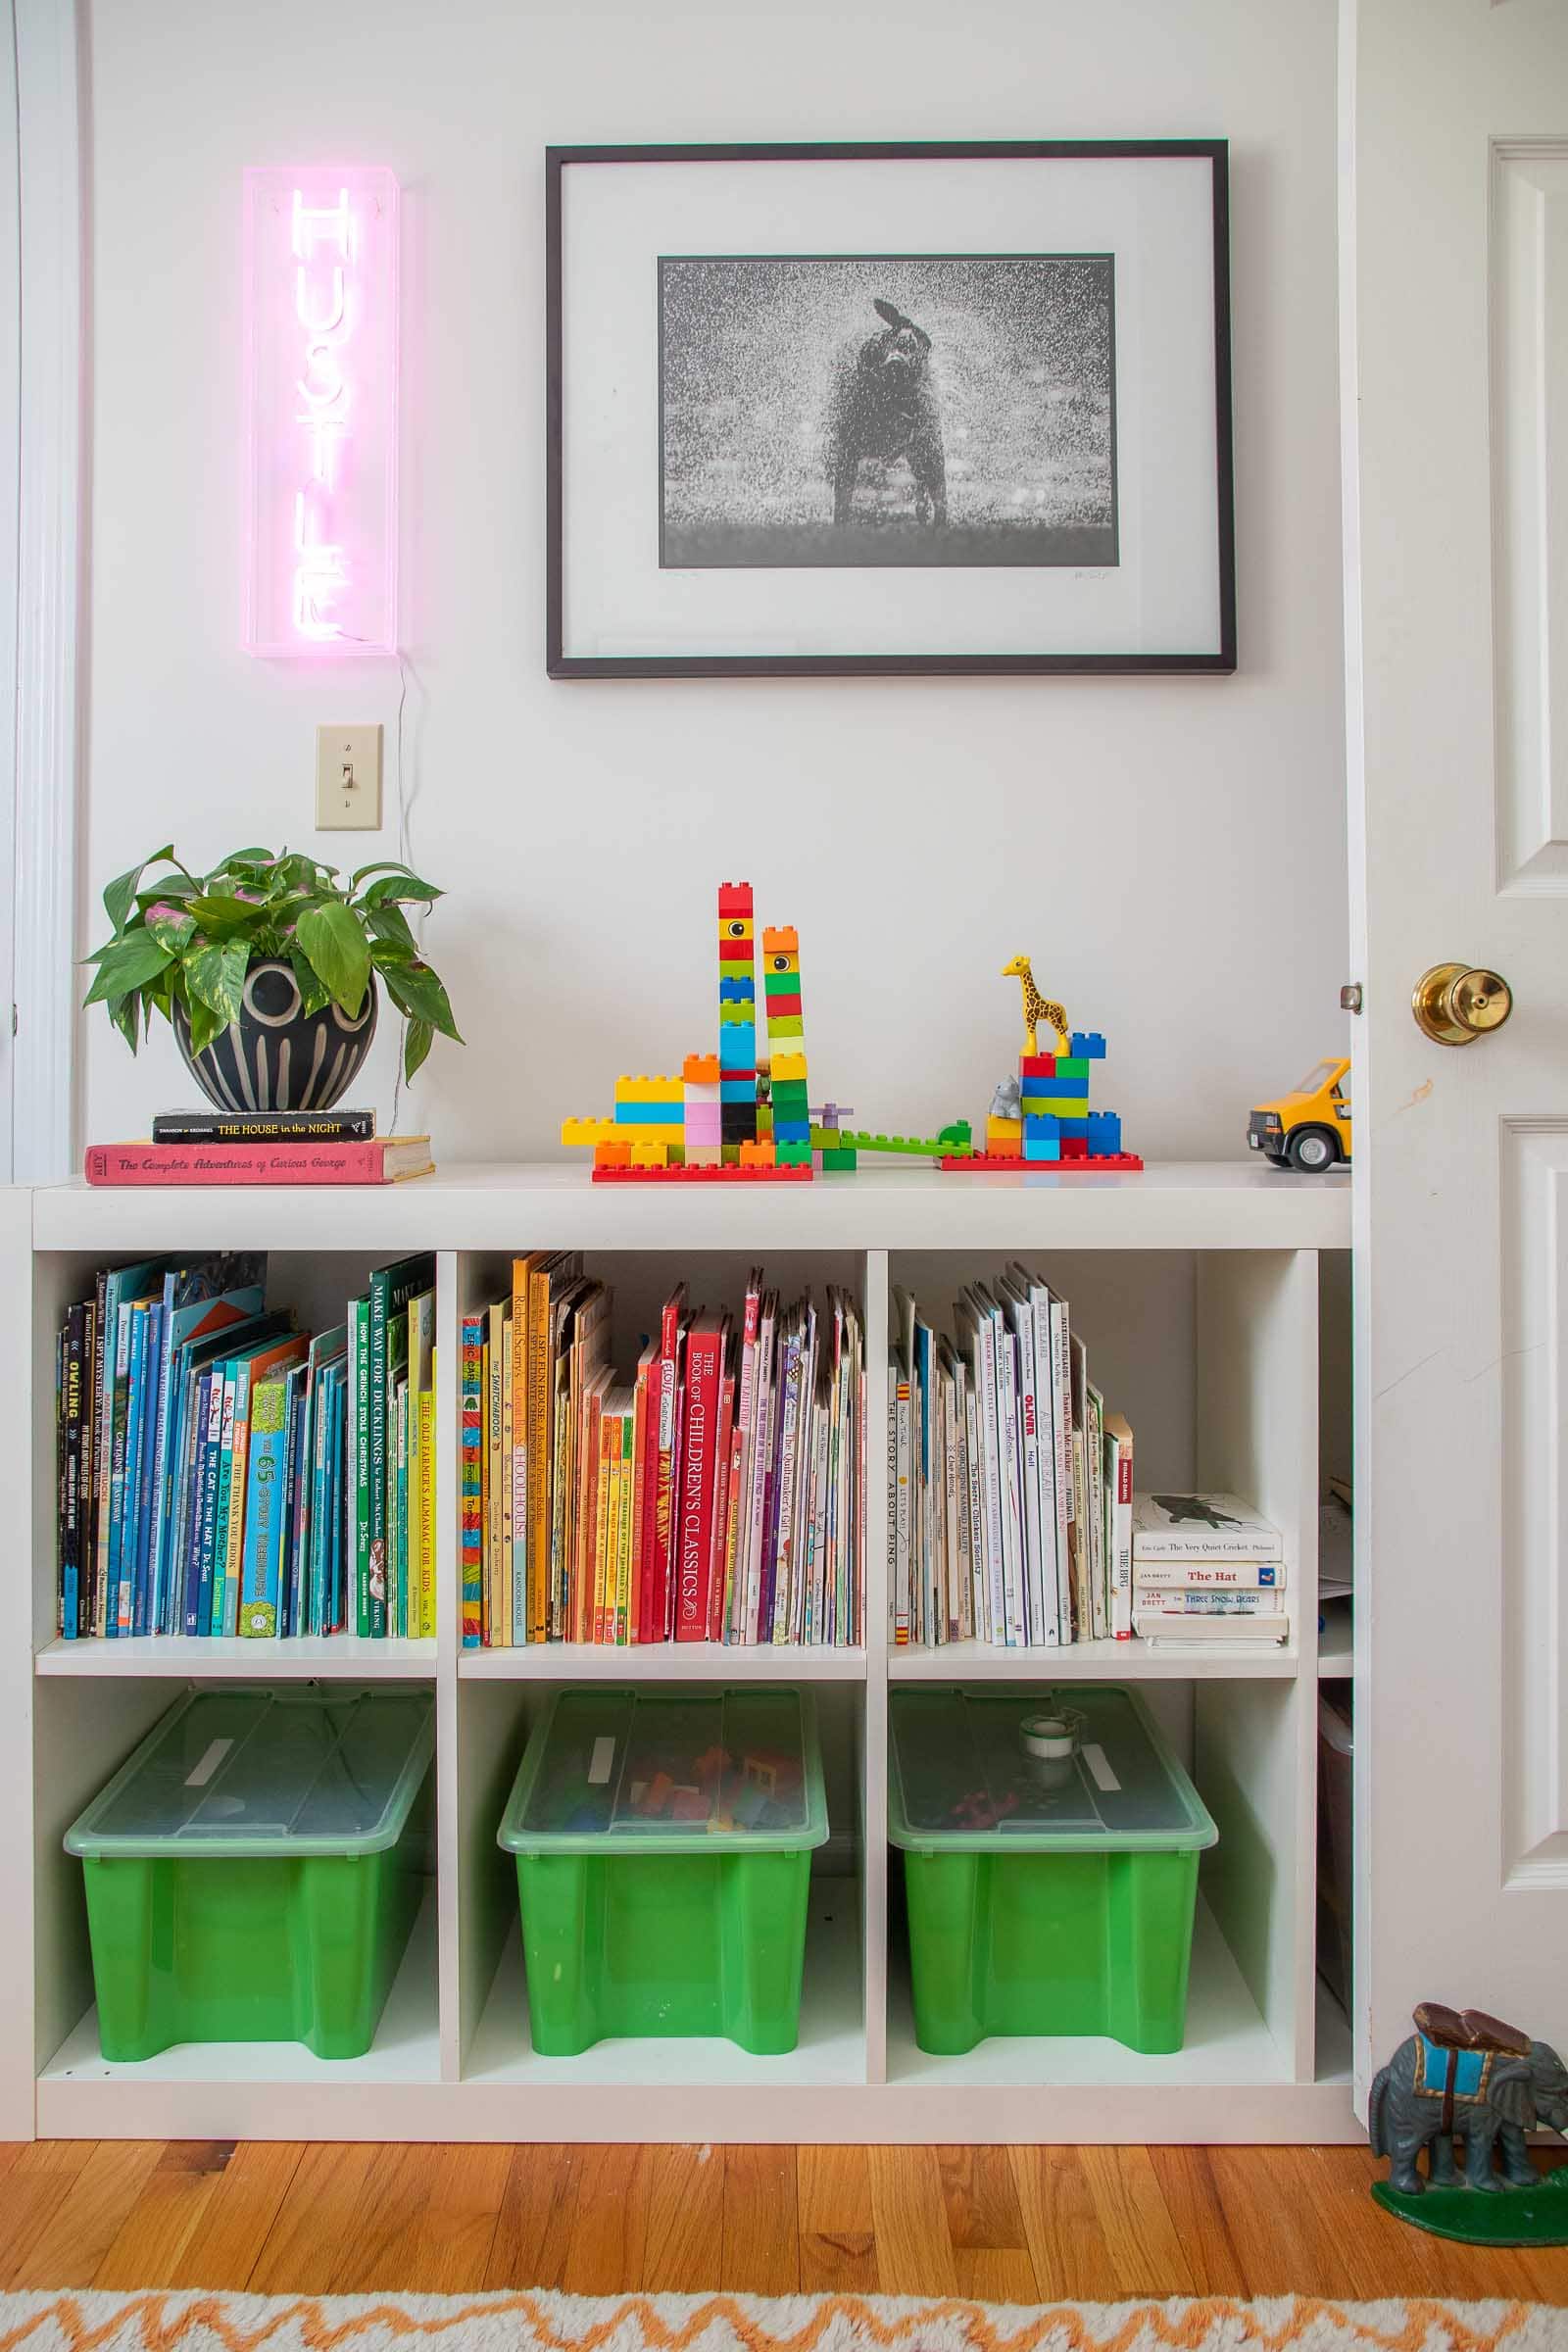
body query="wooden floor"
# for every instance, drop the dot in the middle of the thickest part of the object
(1019, 2224)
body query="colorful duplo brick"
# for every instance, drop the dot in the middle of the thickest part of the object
(737, 1123)
(649, 1114)
(1055, 1107)
(735, 988)
(1087, 1044)
(791, 1131)
(705, 1123)
(791, 1151)
(1045, 1148)
(738, 1086)
(1105, 1134)
(1050, 1128)
(1041, 1071)
(737, 1046)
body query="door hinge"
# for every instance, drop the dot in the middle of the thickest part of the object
(1350, 996)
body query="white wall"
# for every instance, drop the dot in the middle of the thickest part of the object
(1169, 851)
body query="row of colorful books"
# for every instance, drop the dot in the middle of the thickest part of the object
(1010, 1483)
(222, 1473)
(1207, 1569)
(715, 1492)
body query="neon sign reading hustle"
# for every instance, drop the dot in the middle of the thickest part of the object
(321, 368)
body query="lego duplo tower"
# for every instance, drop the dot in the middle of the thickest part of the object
(712, 1122)
(1054, 1125)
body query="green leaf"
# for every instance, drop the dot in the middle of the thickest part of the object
(173, 886)
(416, 1046)
(335, 945)
(389, 926)
(249, 857)
(176, 933)
(314, 997)
(125, 965)
(125, 1016)
(378, 866)
(216, 978)
(401, 887)
(416, 990)
(123, 890)
(205, 1025)
(221, 911)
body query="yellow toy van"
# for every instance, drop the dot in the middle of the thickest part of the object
(1309, 1127)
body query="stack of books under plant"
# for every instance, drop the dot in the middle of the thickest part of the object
(269, 970)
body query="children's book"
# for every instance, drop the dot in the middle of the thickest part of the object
(1119, 1521)
(265, 1499)
(471, 1438)
(1201, 1526)
(391, 1289)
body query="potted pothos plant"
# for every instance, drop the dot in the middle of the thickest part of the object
(269, 970)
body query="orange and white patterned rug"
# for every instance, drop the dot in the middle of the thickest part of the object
(543, 2321)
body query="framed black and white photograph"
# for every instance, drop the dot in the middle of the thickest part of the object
(861, 410)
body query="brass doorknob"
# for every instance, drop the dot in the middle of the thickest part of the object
(1454, 1005)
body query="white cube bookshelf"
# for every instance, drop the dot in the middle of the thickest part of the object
(1196, 1289)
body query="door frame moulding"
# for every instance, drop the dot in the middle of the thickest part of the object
(50, 574)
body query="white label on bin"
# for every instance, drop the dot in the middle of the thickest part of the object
(208, 1763)
(603, 1757)
(1099, 1764)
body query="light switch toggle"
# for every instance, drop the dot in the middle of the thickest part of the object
(348, 779)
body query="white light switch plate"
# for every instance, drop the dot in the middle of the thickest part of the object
(348, 779)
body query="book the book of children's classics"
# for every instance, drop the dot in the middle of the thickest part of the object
(388, 1160)
(1201, 1526)
(746, 1429)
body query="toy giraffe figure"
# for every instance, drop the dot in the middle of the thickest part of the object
(1036, 1009)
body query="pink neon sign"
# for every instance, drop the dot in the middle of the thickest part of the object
(321, 411)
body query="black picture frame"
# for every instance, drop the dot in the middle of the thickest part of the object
(559, 664)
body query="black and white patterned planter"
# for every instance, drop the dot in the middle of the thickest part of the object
(277, 1056)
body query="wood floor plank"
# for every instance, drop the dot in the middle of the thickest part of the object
(31, 2193)
(995, 2274)
(148, 2247)
(243, 2202)
(761, 2253)
(305, 2246)
(910, 2213)
(534, 2226)
(837, 2228)
(1066, 2243)
(1145, 2249)
(683, 2243)
(609, 2227)
(981, 2197)
(461, 2219)
(1192, 2199)
(88, 2218)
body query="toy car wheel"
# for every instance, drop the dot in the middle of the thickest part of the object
(1313, 1148)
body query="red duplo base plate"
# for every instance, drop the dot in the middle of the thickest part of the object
(979, 1163)
(703, 1175)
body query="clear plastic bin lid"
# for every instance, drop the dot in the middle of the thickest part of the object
(256, 1772)
(669, 1772)
(1076, 1769)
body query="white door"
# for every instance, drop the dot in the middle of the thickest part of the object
(1455, 361)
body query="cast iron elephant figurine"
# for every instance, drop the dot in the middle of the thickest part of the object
(1465, 2076)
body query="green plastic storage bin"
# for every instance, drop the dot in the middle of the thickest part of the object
(253, 1870)
(1051, 1889)
(664, 1843)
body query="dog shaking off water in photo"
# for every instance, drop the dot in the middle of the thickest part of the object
(885, 407)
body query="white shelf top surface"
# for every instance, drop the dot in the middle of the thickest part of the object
(662, 1662)
(1131, 1661)
(1171, 1204)
(298, 1658)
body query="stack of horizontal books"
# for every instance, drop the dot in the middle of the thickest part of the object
(1207, 1569)
(263, 1147)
